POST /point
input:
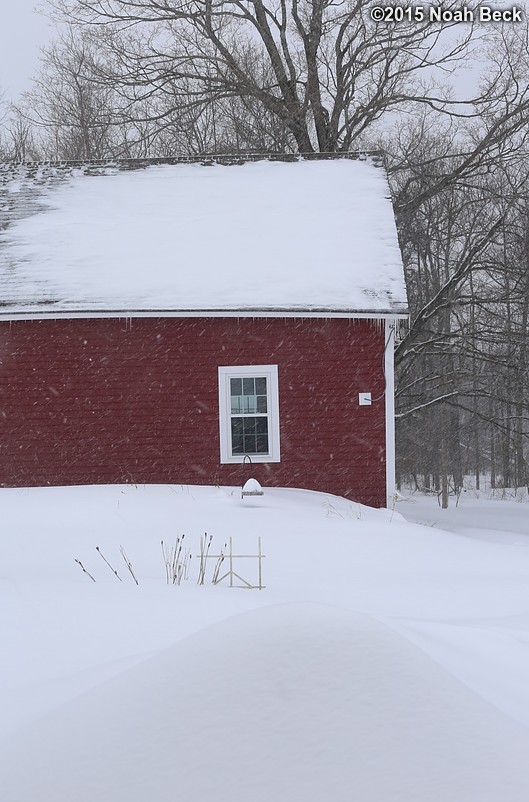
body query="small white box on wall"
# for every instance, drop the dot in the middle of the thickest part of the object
(364, 399)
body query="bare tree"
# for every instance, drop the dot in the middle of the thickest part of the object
(18, 142)
(74, 113)
(462, 372)
(325, 70)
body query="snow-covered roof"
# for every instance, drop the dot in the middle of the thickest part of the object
(308, 235)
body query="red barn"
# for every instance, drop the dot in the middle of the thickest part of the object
(160, 321)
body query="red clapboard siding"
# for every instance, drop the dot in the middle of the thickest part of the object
(90, 401)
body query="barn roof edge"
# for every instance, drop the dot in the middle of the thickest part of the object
(204, 313)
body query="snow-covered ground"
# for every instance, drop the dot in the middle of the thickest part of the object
(384, 660)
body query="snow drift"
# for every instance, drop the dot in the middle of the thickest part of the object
(291, 702)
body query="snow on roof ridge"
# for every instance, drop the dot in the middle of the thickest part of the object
(200, 158)
(46, 173)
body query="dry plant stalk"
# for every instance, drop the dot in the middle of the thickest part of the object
(205, 545)
(84, 569)
(128, 564)
(176, 562)
(218, 564)
(107, 562)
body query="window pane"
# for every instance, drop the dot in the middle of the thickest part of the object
(260, 386)
(237, 438)
(248, 386)
(236, 426)
(237, 446)
(261, 425)
(261, 444)
(249, 444)
(249, 425)
(261, 404)
(250, 404)
(236, 386)
(236, 405)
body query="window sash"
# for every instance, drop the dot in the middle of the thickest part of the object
(249, 435)
(249, 395)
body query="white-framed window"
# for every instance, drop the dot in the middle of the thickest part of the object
(249, 413)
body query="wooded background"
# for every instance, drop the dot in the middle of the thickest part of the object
(449, 105)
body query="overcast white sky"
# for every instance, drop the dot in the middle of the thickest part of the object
(22, 33)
